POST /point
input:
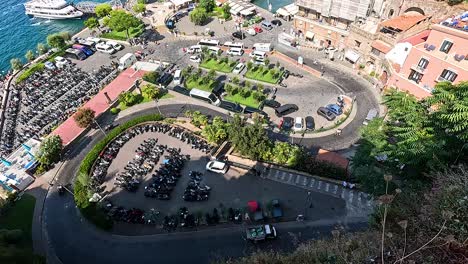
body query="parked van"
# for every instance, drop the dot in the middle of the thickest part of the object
(115, 45)
(74, 54)
(235, 51)
(230, 44)
(205, 96)
(258, 54)
(214, 50)
(102, 47)
(126, 61)
(94, 40)
(265, 47)
(267, 25)
(178, 77)
(286, 109)
(84, 49)
(370, 115)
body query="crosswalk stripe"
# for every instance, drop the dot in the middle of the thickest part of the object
(283, 176)
(290, 177)
(312, 182)
(336, 189)
(327, 187)
(305, 181)
(319, 185)
(351, 195)
(359, 197)
(277, 174)
(298, 178)
(342, 193)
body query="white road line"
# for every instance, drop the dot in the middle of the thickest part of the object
(336, 189)
(312, 182)
(283, 176)
(319, 185)
(298, 178)
(305, 181)
(290, 177)
(327, 187)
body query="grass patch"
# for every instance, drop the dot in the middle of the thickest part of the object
(261, 74)
(190, 84)
(30, 71)
(142, 99)
(20, 216)
(122, 35)
(218, 65)
(249, 101)
(166, 96)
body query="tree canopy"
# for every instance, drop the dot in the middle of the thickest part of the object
(16, 64)
(49, 150)
(139, 8)
(30, 56)
(122, 21)
(56, 41)
(207, 5)
(150, 91)
(91, 23)
(103, 10)
(198, 16)
(41, 48)
(84, 117)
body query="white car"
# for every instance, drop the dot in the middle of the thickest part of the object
(217, 167)
(115, 45)
(239, 68)
(60, 61)
(103, 47)
(298, 124)
(251, 32)
(194, 49)
(95, 40)
(258, 61)
(195, 59)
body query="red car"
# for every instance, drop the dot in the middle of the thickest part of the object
(258, 29)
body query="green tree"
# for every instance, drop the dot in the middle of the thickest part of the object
(128, 98)
(151, 77)
(65, 35)
(56, 41)
(49, 150)
(267, 62)
(92, 23)
(454, 2)
(198, 119)
(141, 1)
(30, 56)
(198, 16)
(103, 10)
(84, 117)
(212, 74)
(250, 140)
(150, 91)
(207, 5)
(217, 131)
(122, 21)
(16, 64)
(139, 8)
(41, 48)
(226, 11)
(249, 65)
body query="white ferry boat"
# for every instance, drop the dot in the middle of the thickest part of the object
(52, 9)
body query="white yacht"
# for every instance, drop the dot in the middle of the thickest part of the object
(52, 9)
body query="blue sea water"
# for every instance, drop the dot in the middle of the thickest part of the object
(20, 33)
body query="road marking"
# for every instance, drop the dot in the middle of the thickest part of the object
(351, 195)
(277, 174)
(305, 181)
(283, 176)
(336, 189)
(312, 181)
(342, 193)
(327, 187)
(290, 177)
(319, 185)
(298, 178)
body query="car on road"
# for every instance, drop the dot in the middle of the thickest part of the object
(239, 35)
(115, 45)
(325, 112)
(271, 103)
(217, 167)
(309, 123)
(286, 74)
(286, 123)
(267, 25)
(181, 90)
(103, 47)
(276, 23)
(258, 29)
(251, 32)
(286, 109)
(298, 124)
(258, 61)
(110, 127)
(260, 233)
(60, 61)
(252, 110)
(194, 49)
(330, 50)
(370, 115)
(336, 109)
(94, 40)
(49, 65)
(239, 68)
(230, 106)
(195, 58)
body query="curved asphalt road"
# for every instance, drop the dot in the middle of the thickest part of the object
(73, 240)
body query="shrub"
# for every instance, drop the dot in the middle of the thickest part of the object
(244, 93)
(258, 96)
(235, 80)
(115, 110)
(372, 74)
(235, 90)
(151, 77)
(322, 168)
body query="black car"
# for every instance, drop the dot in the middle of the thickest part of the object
(239, 35)
(181, 90)
(287, 123)
(310, 123)
(251, 110)
(165, 79)
(271, 103)
(236, 108)
(286, 109)
(325, 112)
(286, 74)
(276, 23)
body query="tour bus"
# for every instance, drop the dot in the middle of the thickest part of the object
(265, 47)
(205, 96)
(235, 51)
(230, 44)
(74, 54)
(258, 54)
(84, 49)
(209, 42)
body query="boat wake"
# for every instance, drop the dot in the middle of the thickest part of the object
(36, 24)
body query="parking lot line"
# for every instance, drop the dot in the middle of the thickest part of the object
(298, 178)
(312, 182)
(336, 189)
(319, 185)
(305, 181)
(290, 177)
(327, 187)
(283, 176)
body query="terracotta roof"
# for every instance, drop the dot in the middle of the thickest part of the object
(381, 46)
(417, 39)
(403, 22)
(332, 157)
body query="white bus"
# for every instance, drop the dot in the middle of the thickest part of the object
(209, 42)
(266, 47)
(205, 96)
(230, 44)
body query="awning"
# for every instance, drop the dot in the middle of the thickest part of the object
(352, 55)
(248, 11)
(282, 12)
(309, 35)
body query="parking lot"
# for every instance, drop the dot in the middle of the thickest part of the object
(234, 189)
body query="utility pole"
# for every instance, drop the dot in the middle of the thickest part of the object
(100, 128)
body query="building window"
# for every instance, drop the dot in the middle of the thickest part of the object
(448, 75)
(423, 63)
(390, 14)
(446, 46)
(415, 76)
(357, 43)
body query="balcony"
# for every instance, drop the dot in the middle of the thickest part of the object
(419, 69)
(442, 79)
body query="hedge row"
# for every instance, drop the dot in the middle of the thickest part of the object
(81, 193)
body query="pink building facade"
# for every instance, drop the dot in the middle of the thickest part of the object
(442, 57)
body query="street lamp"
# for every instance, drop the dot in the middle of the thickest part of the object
(100, 128)
(156, 100)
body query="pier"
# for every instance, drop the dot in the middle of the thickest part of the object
(88, 7)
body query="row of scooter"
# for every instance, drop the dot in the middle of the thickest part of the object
(195, 190)
(166, 177)
(146, 157)
(191, 139)
(10, 121)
